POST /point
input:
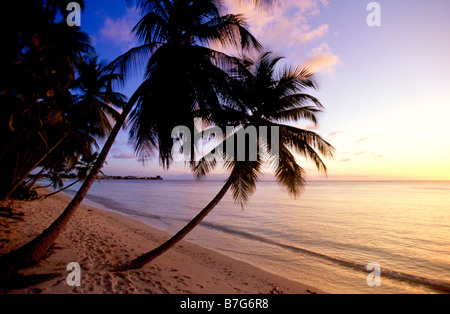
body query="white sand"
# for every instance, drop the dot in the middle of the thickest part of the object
(99, 240)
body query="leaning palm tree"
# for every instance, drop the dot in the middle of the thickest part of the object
(184, 78)
(35, 97)
(82, 169)
(73, 123)
(261, 98)
(89, 118)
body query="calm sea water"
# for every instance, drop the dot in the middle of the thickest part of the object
(325, 239)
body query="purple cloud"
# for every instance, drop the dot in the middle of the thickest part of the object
(124, 156)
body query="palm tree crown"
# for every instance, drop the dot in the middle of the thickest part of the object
(262, 96)
(184, 77)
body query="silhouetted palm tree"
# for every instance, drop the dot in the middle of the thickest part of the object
(72, 123)
(262, 97)
(96, 99)
(37, 72)
(184, 78)
(83, 168)
(83, 120)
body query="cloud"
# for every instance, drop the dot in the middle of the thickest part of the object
(346, 160)
(284, 25)
(363, 139)
(359, 153)
(377, 156)
(334, 133)
(119, 31)
(123, 156)
(322, 60)
(309, 127)
(315, 33)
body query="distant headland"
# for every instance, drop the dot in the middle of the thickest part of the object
(130, 178)
(66, 176)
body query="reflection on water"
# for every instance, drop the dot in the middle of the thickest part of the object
(325, 239)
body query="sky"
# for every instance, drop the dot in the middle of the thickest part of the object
(386, 88)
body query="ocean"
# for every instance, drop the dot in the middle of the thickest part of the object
(327, 238)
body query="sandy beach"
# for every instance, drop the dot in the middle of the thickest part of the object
(99, 240)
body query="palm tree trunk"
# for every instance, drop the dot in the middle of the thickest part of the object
(150, 256)
(30, 183)
(33, 251)
(63, 189)
(43, 187)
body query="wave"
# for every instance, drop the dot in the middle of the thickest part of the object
(393, 274)
(117, 206)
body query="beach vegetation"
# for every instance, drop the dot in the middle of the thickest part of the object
(261, 96)
(56, 95)
(58, 99)
(57, 117)
(177, 52)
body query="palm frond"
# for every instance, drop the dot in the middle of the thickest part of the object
(306, 143)
(106, 108)
(246, 175)
(295, 79)
(204, 165)
(299, 100)
(295, 115)
(133, 59)
(227, 30)
(142, 133)
(158, 6)
(288, 173)
(266, 65)
(151, 28)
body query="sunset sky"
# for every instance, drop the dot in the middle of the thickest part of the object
(386, 88)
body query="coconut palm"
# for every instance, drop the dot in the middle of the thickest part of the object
(96, 99)
(184, 78)
(83, 168)
(262, 97)
(70, 123)
(85, 118)
(37, 71)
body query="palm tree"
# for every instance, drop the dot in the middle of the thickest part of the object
(83, 168)
(85, 119)
(261, 98)
(96, 99)
(184, 78)
(37, 71)
(73, 123)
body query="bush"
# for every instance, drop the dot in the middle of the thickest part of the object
(24, 193)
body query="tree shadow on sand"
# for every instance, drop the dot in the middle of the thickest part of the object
(14, 280)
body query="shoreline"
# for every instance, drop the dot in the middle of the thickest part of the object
(99, 240)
